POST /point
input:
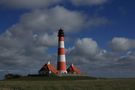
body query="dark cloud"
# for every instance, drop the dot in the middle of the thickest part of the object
(34, 4)
(28, 4)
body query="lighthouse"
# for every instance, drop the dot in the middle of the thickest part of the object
(61, 62)
(62, 69)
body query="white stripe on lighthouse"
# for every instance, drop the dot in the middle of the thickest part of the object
(61, 44)
(62, 58)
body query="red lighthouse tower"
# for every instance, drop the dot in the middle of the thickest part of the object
(61, 63)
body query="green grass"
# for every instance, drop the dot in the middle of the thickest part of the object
(97, 84)
(51, 78)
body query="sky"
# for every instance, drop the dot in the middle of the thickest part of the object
(99, 35)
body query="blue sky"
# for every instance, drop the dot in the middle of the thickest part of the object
(28, 32)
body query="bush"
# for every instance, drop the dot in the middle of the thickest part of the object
(11, 76)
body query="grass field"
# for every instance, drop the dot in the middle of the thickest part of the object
(97, 84)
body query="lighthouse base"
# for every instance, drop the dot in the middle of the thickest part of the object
(62, 72)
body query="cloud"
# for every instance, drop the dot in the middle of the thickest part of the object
(87, 54)
(85, 46)
(47, 40)
(88, 2)
(53, 19)
(26, 44)
(37, 4)
(28, 4)
(122, 44)
(86, 51)
(124, 63)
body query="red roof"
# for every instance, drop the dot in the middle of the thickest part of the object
(49, 67)
(73, 69)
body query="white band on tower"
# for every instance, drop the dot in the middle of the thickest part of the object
(61, 58)
(61, 44)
